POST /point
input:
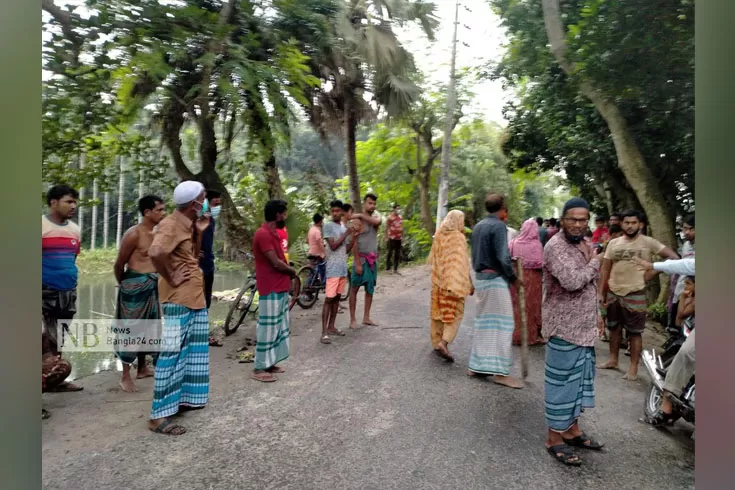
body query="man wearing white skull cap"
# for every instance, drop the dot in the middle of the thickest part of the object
(182, 373)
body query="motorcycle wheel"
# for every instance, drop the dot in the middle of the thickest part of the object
(653, 403)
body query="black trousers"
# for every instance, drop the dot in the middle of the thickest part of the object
(394, 254)
(208, 282)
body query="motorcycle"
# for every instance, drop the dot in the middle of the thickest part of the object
(657, 366)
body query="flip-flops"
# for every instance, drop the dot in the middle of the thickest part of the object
(169, 428)
(338, 333)
(325, 340)
(585, 442)
(263, 377)
(564, 454)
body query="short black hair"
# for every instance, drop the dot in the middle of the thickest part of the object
(396, 205)
(336, 204)
(212, 194)
(615, 215)
(274, 208)
(539, 221)
(318, 218)
(494, 202)
(58, 192)
(347, 207)
(148, 202)
(553, 222)
(615, 229)
(370, 195)
(689, 220)
(631, 213)
(600, 219)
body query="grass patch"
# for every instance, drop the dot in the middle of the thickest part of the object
(101, 262)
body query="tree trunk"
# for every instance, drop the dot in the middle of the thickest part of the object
(120, 201)
(350, 128)
(106, 219)
(272, 176)
(80, 212)
(95, 208)
(630, 158)
(141, 191)
(425, 202)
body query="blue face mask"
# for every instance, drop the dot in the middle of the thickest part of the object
(205, 208)
(215, 211)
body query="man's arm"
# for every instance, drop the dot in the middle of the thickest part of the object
(278, 264)
(500, 244)
(159, 258)
(604, 285)
(683, 267)
(570, 277)
(371, 220)
(127, 247)
(335, 243)
(667, 253)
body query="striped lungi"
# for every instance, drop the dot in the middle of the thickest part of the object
(137, 299)
(493, 330)
(272, 333)
(570, 382)
(182, 378)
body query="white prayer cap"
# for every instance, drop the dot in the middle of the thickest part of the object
(187, 191)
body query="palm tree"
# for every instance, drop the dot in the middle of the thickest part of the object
(363, 56)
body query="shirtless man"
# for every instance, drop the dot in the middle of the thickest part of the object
(137, 297)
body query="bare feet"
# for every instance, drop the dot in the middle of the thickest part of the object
(353, 324)
(127, 385)
(442, 350)
(369, 322)
(608, 365)
(630, 377)
(145, 372)
(508, 381)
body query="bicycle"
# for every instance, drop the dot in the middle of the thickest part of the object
(313, 280)
(244, 301)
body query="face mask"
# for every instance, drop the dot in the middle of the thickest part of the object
(204, 209)
(215, 211)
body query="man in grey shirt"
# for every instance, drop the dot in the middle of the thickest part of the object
(365, 266)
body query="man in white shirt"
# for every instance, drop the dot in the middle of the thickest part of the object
(682, 366)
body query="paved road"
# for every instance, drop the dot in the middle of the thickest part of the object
(374, 410)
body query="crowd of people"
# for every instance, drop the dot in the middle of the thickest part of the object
(577, 283)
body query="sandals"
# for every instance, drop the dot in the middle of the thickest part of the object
(564, 454)
(168, 428)
(64, 388)
(263, 377)
(585, 442)
(325, 340)
(338, 333)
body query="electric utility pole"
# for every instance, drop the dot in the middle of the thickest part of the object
(441, 208)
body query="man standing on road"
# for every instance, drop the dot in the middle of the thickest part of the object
(493, 331)
(273, 279)
(572, 322)
(365, 268)
(206, 255)
(182, 369)
(314, 240)
(622, 289)
(340, 241)
(137, 294)
(60, 245)
(687, 251)
(394, 227)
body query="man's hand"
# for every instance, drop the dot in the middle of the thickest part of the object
(602, 300)
(601, 326)
(472, 291)
(202, 224)
(645, 265)
(179, 276)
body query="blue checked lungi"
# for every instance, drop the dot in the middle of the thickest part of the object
(182, 378)
(570, 382)
(272, 333)
(493, 330)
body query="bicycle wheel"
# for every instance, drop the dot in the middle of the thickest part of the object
(294, 292)
(239, 308)
(309, 287)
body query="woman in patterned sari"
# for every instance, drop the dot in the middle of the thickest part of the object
(528, 248)
(451, 282)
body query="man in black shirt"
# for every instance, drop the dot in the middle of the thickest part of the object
(491, 344)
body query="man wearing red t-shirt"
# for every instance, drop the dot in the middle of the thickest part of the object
(273, 279)
(601, 233)
(283, 237)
